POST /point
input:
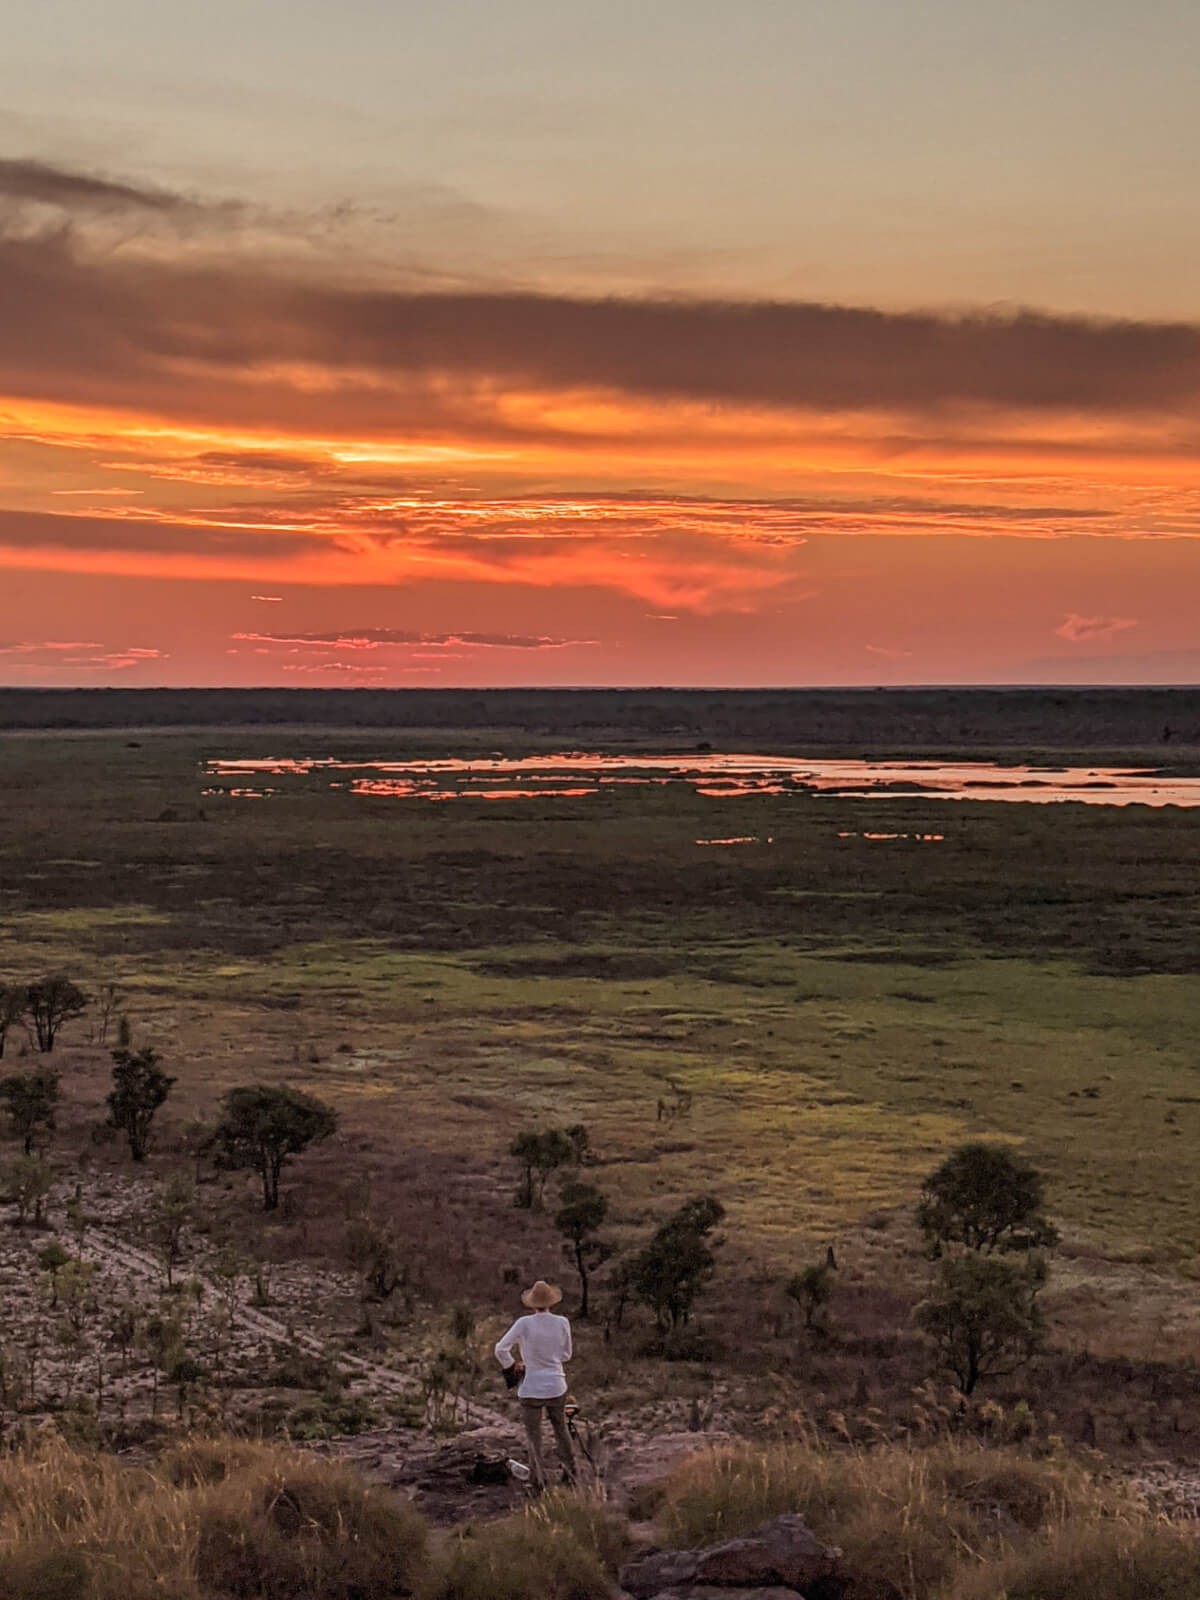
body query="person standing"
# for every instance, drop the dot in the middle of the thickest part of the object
(543, 1343)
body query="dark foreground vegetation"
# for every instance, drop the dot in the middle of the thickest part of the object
(220, 1519)
(774, 719)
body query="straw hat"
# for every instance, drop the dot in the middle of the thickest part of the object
(542, 1296)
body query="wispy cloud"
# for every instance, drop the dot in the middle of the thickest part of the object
(381, 638)
(351, 668)
(58, 655)
(1083, 629)
(46, 647)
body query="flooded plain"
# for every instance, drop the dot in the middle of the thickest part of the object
(576, 774)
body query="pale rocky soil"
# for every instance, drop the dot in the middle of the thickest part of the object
(313, 1312)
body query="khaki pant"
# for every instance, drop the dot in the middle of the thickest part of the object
(531, 1416)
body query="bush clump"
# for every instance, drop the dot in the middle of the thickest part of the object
(1101, 1561)
(520, 1558)
(215, 1520)
(288, 1528)
(914, 1517)
(589, 1521)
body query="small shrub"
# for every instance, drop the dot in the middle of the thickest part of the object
(31, 1101)
(301, 1369)
(197, 1462)
(811, 1289)
(328, 1416)
(520, 1559)
(910, 1516)
(45, 1574)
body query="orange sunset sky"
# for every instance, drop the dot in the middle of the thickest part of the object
(532, 343)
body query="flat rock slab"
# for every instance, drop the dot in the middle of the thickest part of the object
(666, 1570)
(706, 1591)
(784, 1551)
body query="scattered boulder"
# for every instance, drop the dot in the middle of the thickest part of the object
(657, 1574)
(778, 1561)
(783, 1551)
(706, 1591)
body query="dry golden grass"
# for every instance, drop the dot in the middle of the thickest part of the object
(227, 1520)
(520, 1559)
(1103, 1561)
(929, 1520)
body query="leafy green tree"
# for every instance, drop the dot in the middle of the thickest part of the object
(580, 1217)
(812, 1290)
(261, 1128)
(140, 1087)
(540, 1154)
(983, 1315)
(51, 1002)
(13, 1006)
(677, 1264)
(987, 1199)
(31, 1100)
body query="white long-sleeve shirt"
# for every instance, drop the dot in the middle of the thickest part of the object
(544, 1340)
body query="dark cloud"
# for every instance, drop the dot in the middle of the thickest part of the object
(192, 337)
(375, 638)
(44, 184)
(274, 463)
(34, 530)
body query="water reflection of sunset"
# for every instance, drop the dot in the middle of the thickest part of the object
(716, 776)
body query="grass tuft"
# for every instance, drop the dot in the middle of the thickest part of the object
(1101, 1561)
(916, 1517)
(521, 1558)
(216, 1521)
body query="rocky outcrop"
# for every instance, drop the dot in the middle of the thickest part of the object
(781, 1552)
(664, 1572)
(778, 1561)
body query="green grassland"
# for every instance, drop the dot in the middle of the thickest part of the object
(842, 1010)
